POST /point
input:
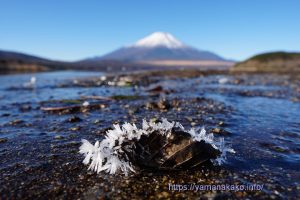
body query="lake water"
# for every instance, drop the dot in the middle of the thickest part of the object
(263, 119)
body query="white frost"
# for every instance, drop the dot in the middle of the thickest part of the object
(85, 104)
(105, 155)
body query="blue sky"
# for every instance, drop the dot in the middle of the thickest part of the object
(72, 30)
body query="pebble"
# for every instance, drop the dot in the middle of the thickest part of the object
(75, 128)
(97, 121)
(16, 121)
(158, 88)
(2, 140)
(58, 137)
(162, 104)
(74, 119)
(216, 130)
(190, 119)
(25, 108)
(163, 195)
(221, 123)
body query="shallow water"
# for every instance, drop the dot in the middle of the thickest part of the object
(44, 89)
(265, 129)
(258, 111)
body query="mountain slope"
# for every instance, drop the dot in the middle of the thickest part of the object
(14, 56)
(159, 53)
(270, 62)
(13, 61)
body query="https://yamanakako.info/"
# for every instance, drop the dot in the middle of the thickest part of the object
(217, 187)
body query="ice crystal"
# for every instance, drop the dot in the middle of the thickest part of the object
(85, 104)
(108, 155)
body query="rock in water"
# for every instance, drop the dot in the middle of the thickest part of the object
(164, 146)
(174, 151)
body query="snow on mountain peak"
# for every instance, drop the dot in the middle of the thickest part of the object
(159, 39)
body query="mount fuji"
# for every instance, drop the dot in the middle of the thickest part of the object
(159, 46)
(154, 51)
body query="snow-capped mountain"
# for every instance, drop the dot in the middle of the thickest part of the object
(159, 39)
(159, 46)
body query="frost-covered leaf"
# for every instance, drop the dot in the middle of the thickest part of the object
(162, 145)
